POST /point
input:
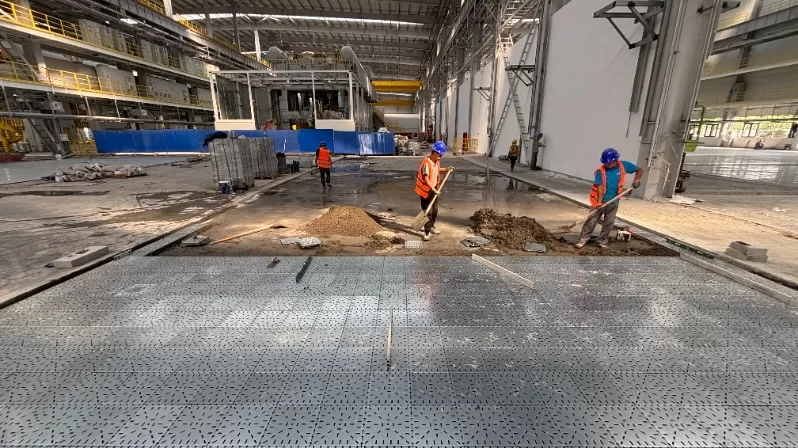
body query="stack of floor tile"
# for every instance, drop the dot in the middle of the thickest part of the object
(264, 158)
(232, 161)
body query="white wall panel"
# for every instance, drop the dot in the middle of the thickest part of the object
(587, 92)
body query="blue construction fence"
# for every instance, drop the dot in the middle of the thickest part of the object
(190, 140)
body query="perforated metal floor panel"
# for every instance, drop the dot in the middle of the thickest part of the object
(167, 351)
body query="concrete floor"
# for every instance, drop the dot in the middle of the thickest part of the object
(34, 170)
(42, 221)
(218, 351)
(772, 166)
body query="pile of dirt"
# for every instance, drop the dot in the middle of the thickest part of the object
(511, 232)
(345, 221)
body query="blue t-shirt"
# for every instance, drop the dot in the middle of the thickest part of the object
(613, 177)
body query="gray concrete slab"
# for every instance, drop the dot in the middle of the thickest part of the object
(36, 169)
(230, 351)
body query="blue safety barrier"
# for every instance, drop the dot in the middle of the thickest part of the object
(167, 140)
(309, 139)
(191, 140)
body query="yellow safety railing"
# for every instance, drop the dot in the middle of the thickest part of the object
(87, 83)
(153, 5)
(20, 15)
(82, 148)
(466, 144)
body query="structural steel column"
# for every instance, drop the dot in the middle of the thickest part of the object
(476, 43)
(208, 24)
(257, 45)
(351, 104)
(167, 7)
(687, 40)
(235, 28)
(460, 58)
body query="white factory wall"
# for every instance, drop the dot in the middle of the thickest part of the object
(587, 91)
(407, 122)
(450, 125)
(462, 117)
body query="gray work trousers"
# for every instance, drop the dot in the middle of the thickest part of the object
(607, 218)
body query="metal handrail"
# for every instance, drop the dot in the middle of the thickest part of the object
(20, 15)
(759, 61)
(15, 71)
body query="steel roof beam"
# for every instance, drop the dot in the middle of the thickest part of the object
(425, 19)
(287, 41)
(328, 29)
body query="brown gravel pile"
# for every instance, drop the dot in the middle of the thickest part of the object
(509, 231)
(345, 221)
(512, 232)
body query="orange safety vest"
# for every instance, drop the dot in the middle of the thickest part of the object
(325, 161)
(594, 199)
(422, 189)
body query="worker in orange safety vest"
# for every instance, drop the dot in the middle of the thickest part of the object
(608, 182)
(428, 180)
(324, 162)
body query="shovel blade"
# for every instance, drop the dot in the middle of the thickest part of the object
(419, 221)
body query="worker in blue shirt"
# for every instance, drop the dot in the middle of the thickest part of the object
(608, 182)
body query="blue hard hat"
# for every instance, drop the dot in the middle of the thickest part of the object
(322, 143)
(439, 147)
(609, 155)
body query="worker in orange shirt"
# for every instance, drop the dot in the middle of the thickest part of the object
(324, 162)
(428, 180)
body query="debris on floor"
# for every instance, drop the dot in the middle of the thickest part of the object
(81, 257)
(475, 241)
(683, 200)
(535, 247)
(95, 171)
(288, 241)
(746, 252)
(345, 221)
(309, 242)
(413, 244)
(196, 241)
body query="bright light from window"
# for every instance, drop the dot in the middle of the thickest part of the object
(314, 18)
(129, 21)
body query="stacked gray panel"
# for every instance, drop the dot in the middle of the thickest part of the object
(264, 158)
(232, 161)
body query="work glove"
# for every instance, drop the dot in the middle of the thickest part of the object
(450, 168)
(436, 191)
(636, 184)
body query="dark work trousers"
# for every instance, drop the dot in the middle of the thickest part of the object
(512, 162)
(433, 213)
(324, 172)
(607, 218)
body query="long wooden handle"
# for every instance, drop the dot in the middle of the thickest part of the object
(429, 207)
(606, 204)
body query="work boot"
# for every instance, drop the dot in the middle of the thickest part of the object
(329, 185)
(581, 244)
(427, 237)
(602, 244)
(435, 231)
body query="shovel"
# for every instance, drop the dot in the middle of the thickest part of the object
(570, 226)
(421, 218)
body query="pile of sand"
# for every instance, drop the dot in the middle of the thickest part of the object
(345, 221)
(509, 231)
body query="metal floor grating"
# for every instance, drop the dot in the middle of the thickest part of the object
(215, 351)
